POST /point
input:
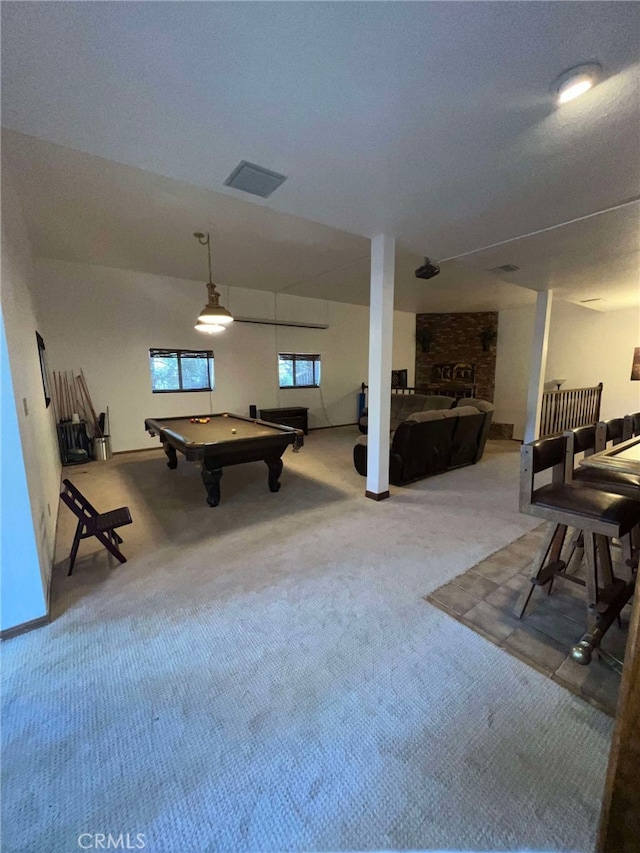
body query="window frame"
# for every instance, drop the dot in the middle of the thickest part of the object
(179, 354)
(301, 356)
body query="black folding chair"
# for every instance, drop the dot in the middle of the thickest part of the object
(102, 525)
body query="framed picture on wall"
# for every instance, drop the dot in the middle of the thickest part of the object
(399, 378)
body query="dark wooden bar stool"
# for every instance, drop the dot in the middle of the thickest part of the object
(593, 439)
(631, 425)
(102, 525)
(597, 514)
(609, 432)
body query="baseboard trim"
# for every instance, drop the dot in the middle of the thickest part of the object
(25, 627)
(135, 450)
(377, 496)
(332, 426)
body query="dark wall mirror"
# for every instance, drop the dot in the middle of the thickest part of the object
(43, 369)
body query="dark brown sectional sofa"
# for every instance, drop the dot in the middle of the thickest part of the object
(404, 405)
(433, 441)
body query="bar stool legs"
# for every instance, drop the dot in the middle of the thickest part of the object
(582, 651)
(574, 555)
(543, 569)
(600, 582)
(592, 570)
(603, 547)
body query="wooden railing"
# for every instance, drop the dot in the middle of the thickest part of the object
(404, 390)
(397, 390)
(450, 391)
(569, 408)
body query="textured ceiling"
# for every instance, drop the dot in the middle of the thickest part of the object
(432, 121)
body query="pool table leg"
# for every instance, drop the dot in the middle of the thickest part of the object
(275, 469)
(171, 455)
(211, 480)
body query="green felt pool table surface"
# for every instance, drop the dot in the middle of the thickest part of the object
(219, 429)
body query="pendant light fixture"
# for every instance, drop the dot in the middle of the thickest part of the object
(213, 317)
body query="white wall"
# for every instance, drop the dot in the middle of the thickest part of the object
(30, 461)
(23, 593)
(515, 339)
(585, 347)
(105, 320)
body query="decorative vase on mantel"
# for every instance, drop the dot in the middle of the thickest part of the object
(426, 339)
(487, 337)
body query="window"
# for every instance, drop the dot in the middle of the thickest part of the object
(298, 370)
(181, 370)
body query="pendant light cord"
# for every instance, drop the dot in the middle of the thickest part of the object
(205, 242)
(209, 253)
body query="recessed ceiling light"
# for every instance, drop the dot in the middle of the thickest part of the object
(576, 81)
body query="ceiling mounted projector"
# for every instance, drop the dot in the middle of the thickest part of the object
(427, 270)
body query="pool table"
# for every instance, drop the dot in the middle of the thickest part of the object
(224, 439)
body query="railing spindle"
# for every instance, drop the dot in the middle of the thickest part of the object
(569, 408)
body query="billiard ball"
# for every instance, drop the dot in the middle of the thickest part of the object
(233, 431)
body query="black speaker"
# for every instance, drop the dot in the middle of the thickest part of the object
(253, 412)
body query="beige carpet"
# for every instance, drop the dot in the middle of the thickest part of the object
(265, 675)
(483, 598)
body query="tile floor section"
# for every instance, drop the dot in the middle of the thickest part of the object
(484, 598)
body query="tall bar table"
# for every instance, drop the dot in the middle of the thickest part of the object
(620, 817)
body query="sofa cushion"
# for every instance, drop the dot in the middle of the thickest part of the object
(481, 405)
(487, 409)
(466, 437)
(403, 406)
(360, 450)
(429, 415)
(438, 401)
(424, 447)
(360, 455)
(465, 410)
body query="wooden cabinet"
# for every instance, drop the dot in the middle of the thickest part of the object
(293, 416)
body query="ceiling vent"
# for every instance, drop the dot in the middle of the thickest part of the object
(504, 268)
(254, 179)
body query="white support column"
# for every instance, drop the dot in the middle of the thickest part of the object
(538, 364)
(383, 254)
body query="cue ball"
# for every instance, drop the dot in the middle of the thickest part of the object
(233, 431)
